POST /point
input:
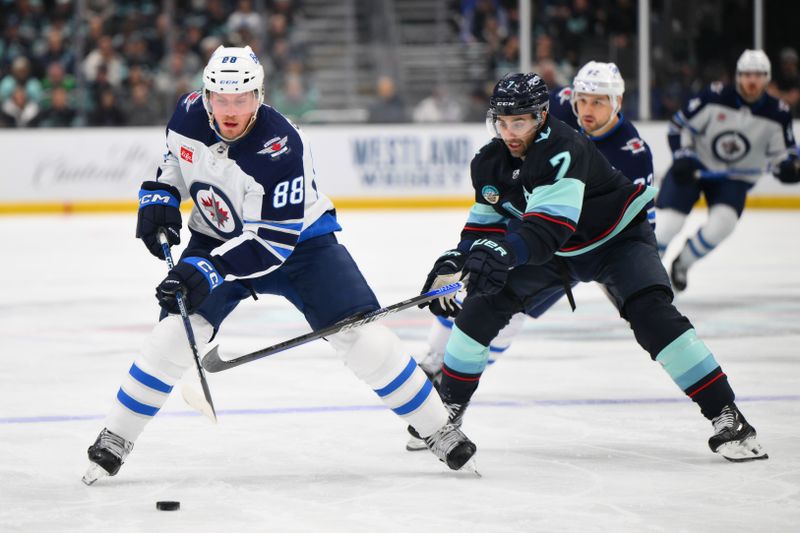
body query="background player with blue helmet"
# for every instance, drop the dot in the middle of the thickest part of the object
(593, 106)
(258, 225)
(723, 140)
(550, 211)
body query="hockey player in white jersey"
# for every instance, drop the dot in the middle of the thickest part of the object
(258, 225)
(723, 140)
(591, 105)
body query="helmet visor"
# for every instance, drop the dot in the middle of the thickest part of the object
(510, 125)
(233, 104)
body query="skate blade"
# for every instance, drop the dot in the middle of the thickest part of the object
(470, 466)
(93, 473)
(741, 451)
(197, 401)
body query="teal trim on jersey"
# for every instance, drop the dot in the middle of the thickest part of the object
(508, 206)
(484, 214)
(687, 359)
(633, 209)
(464, 354)
(563, 198)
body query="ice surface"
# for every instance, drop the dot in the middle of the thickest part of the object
(577, 430)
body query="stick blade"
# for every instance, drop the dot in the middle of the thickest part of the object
(212, 362)
(197, 401)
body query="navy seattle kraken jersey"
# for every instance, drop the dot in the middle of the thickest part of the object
(564, 198)
(621, 145)
(727, 134)
(256, 196)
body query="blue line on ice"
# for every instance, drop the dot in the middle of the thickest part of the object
(351, 408)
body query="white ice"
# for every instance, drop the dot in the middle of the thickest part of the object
(577, 429)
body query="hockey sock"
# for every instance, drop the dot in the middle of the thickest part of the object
(669, 223)
(375, 355)
(721, 222)
(149, 381)
(503, 341)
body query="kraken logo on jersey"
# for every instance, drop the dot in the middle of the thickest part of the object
(730, 146)
(491, 194)
(216, 209)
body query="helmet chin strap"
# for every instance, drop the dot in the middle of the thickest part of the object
(213, 124)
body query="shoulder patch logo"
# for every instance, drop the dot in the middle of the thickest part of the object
(564, 95)
(694, 103)
(635, 145)
(187, 154)
(490, 194)
(190, 99)
(716, 87)
(276, 147)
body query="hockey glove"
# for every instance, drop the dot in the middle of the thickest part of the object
(684, 167)
(446, 270)
(159, 208)
(789, 170)
(195, 277)
(488, 265)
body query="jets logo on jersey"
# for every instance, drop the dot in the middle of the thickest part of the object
(635, 145)
(276, 147)
(187, 154)
(491, 194)
(190, 99)
(564, 95)
(216, 209)
(730, 146)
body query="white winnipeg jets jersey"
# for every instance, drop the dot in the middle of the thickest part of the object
(727, 133)
(257, 194)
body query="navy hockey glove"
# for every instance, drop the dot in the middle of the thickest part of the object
(488, 265)
(446, 270)
(789, 170)
(195, 277)
(684, 168)
(159, 208)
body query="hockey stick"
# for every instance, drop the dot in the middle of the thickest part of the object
(204, 403)
(213, 363)
(725, 174)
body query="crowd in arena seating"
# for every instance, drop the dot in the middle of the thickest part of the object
(127, 61)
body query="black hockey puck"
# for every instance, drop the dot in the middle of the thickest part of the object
(168, 506)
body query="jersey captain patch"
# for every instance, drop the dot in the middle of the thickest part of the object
(216, 209)
(730, 146)
(635, 145)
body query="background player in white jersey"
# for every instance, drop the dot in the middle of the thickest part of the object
(258, 225)
(723, 140)
(593, 106)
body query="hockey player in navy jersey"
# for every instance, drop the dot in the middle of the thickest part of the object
(591, 105)
(723, 140)
(259, 224)
(550, 211)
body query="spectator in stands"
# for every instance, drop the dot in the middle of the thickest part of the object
(476, 108)
(293, 98)
(19, 111)
(142, 108)
(13, 44)
(56, 51)
(388, 107)
(108, 112)
(20, 76)
(106, 56)
(440, 106)
(786, 80)
(244, 18)
(58, 113)
(57, 78)
(507, 58)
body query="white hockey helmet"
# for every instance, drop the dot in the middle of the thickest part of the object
(754, 61)
(233, 71)
(599, 78)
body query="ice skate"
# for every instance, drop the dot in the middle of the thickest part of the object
(452, 447)
(678, 274)
(455, 410)
(734, 438)
(431, 364)
(106, 456)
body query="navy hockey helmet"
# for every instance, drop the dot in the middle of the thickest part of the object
(518, 94)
